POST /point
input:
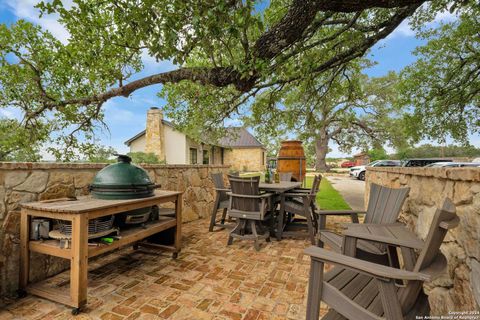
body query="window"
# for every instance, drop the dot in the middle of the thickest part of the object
(222, 155)
(206, 159)
(263, 158)
(193, 156)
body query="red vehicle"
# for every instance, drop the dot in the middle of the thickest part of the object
(347, 164)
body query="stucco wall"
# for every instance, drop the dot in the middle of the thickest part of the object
(458, 289)
(245, 159)
(175, 145)
(139, 144)
(26, 182)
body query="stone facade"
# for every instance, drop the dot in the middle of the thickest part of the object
(26, 182)
(155, 134)
(455, 291)
(245, 159)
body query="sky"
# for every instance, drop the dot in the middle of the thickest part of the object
(126, 117)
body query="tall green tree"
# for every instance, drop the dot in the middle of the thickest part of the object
(443, 85)
(226, 52)
(344, 106)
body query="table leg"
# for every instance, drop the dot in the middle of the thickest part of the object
(178, 227)
(24, 250)
(79, 261)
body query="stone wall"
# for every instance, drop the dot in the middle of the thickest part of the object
(26, 182)
(245, 159)
(455, 291)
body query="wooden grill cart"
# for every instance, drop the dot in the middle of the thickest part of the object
(78, 212)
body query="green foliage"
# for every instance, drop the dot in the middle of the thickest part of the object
(443, 85)
(231, 60)
(377, 154)
(142, 157)
(103, 155)
(343, 105)
(18, 143)
(431, 151)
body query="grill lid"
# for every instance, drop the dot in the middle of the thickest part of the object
(122, 180)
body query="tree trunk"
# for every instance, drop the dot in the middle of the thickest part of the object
(321, 150)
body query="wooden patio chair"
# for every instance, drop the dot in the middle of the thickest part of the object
(285, 176)
(361, 290)
(250, 208)
(384, 206)
(221, 202)
(299, 203)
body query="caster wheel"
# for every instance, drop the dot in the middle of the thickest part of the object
(21, 293)
(75, 311)
(175, 255)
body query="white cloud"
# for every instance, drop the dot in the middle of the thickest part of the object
(25, 9)
(405, 30)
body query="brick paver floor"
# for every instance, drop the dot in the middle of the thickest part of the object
(209, 280)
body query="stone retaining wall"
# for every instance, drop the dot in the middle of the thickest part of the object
(456, 290)
(25, 182)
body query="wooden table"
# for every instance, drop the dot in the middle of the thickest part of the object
(394, 234)
(281, 187)
(79, 212)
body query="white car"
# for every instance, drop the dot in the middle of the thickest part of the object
(359, 171)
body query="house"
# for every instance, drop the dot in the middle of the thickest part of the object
(361, 159)
(239, 149)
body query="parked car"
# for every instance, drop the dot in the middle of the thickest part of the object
(453, 164)
(347, 164)
(359, 171)
(422, 162)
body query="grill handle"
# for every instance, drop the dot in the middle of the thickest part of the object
(157, 186)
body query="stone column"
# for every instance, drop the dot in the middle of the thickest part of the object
(155, 134)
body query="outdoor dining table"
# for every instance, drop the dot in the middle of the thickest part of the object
(280, 187)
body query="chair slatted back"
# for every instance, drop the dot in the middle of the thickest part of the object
(315, 187)
(219, 184)
(445, 218)
(385, 203)
(245, 186)
(446, 215)
(285, 176)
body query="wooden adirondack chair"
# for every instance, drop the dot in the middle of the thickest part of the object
(221, 201)
(250, 208)
(361, 290)
(384, 206)
(299, 202)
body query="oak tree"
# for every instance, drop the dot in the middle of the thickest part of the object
(226, 50)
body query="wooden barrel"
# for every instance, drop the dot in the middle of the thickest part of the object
(291, 158)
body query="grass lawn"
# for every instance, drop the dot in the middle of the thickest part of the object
(328, 198)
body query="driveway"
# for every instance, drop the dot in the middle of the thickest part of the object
(351, 189)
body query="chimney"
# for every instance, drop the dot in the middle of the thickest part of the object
(155, 135)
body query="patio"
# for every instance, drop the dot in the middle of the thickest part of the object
(208, 281)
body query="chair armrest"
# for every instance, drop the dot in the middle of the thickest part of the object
(371, 269)
(410, 242)
(339, 212)
(260, 196)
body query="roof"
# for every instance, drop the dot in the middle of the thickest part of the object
(141, 133)
(237, 137)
